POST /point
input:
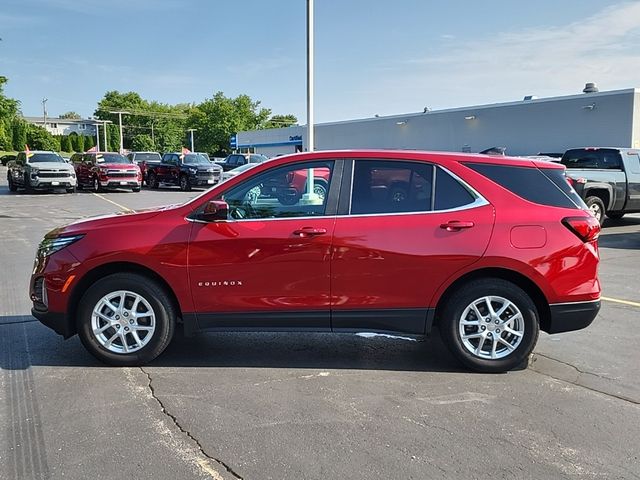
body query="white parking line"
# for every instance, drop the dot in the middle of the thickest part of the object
(126, 209)
(623, 302)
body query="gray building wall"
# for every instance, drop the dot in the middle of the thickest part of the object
(525, 127)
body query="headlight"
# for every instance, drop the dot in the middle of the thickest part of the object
(34, 171)
(52, 245)
(193, 171)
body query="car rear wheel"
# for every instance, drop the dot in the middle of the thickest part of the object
(596, 206)
(185, 184)
(490, 325)
(126, 319)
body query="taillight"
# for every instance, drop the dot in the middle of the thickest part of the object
(569, 181)
(586, 229)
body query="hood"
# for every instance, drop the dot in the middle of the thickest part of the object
(51, 166)
(118, 166)
(94, 223)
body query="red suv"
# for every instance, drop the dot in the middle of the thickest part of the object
(102, 170)
(489, 249)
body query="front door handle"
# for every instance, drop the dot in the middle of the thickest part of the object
(309, 232)
(456, 225)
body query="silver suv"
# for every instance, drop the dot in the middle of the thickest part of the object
(40, 170)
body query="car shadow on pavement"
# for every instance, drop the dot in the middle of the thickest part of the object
(26, 343)
(627, 241)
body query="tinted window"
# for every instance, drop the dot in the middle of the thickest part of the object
(592, 158)
(278, 193)
(381, 186)
(45, 157)
(450, 193)
(147, 157)
(528, 183)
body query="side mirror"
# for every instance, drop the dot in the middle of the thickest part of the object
(215, 210)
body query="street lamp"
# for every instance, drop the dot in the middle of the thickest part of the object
(310, 198)
(120, 113)
(104, 126)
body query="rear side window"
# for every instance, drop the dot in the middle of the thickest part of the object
(450, 193)
(530, 183)
(600, 158)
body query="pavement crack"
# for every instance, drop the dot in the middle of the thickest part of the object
(577, 383)
(185, 431)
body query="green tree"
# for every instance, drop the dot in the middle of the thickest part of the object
(281, 121)
(220, 117)
(19, 129)
(40, 139)
(8, 114)
(65, 144)
(89, 142)
(142, 143)
(71, 115)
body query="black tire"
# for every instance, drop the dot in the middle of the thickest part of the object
(135, 189)
(615, 215)
(95, 185)
(451, 314)
(185, 183)
(71, 190)
(153, 293)
(596, 206)
(12, 186)
(289, 199)
(27, 184)
(152, 180)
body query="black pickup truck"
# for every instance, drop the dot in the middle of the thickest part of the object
(186, 171)
(238, 159)
(608, 179)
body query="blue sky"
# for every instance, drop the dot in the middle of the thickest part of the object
(372, 57)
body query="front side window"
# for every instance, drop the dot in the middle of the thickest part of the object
(282, 192)
(386, 186)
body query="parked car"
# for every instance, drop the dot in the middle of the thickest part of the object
(454, 251)
(608, 179)
(185, 171)
(232, 173)
(40, 170)
(98, 171)
(143, 159)
(238, 159)
(6, 159)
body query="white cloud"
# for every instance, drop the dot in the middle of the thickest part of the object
(602, 48)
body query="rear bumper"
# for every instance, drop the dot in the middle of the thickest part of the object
(566, 317)
(58, 322)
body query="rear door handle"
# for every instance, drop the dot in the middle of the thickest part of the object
(309, 231)
(456, 225)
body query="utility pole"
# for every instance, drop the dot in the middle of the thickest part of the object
(191, 130)
(120, 113)
(97, 137)
(104, 133)
(310, 197)
(44, 112)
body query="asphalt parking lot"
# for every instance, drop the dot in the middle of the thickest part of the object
(270, 406)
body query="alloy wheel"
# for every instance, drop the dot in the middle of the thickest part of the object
(123, 322)
(596, 211)
(491, 327)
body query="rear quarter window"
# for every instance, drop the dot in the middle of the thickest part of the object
(532, 184)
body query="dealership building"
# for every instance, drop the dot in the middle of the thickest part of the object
(527, 127)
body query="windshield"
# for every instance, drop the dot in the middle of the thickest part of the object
(45, 157)
(148, 157)
(205, 155)
(257, 158)
(111, 158)
(195, 158)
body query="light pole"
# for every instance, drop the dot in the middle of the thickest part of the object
(104, 133)
(310, 197)
(120, 113)
(191, 130)
(44, 112)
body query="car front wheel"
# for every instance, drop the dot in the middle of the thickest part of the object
(185, 184)
(12, 186)
(126, 319)
(490, 325)
(152, 180)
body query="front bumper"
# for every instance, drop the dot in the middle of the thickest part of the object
(62, 182)
(120, 183)
(566, 317)
(201, 180)
(58, 322)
